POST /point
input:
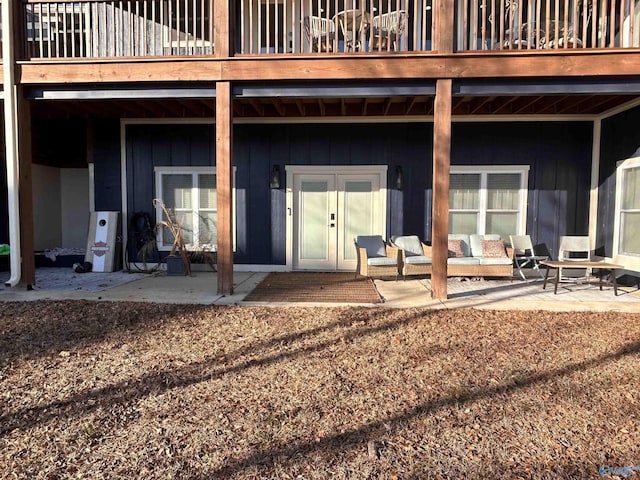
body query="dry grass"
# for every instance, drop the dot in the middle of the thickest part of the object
(124, 390)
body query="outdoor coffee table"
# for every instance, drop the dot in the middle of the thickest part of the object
(602, 266)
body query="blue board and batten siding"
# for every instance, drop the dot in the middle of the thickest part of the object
(619, 140)
(558, 153)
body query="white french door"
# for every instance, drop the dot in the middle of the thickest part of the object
(328, 207)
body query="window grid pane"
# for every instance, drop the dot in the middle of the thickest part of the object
(176, 190)
(631, 189)
(464, 191)
(207, 186)
(630, 233)
(503, 191)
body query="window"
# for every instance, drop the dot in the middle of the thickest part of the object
(627, 224)
(190, 193)
(488, 200)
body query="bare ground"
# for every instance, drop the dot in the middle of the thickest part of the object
(131, 390)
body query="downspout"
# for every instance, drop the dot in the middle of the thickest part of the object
(11, 140)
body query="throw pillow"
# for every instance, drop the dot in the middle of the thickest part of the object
(493, 249)
(455, 249)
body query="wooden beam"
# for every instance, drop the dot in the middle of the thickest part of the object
(441, 167)
(224, 184)
(301, 107)
(28, 274)
(502, 64)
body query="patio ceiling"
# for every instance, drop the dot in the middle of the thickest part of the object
(278, 108)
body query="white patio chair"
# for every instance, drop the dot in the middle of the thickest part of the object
(525, 256)
(321, 33)
(386, 30)
(574, 248)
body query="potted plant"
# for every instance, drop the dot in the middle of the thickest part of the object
(178, 262)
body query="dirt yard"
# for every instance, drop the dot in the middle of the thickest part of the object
(125, 390)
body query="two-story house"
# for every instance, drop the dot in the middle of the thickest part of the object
(280, 129)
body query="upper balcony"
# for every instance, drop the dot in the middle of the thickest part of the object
(94, 29)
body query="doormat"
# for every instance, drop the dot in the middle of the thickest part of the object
(320, 287)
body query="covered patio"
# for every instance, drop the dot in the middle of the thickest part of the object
(201, 287)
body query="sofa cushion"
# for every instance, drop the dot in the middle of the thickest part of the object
(493, 249)
(465, 242)
(455, 249)
(409, 243)
(380, 261)
(495, 261)
(417, 260)
(463, 261)
(475, 242)
(373, 244)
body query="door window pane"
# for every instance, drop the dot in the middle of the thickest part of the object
(314, 241)
(358, 213)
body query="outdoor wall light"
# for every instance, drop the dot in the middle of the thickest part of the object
(399, 177)
(274, 178)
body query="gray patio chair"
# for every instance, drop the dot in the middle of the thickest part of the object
(415, 258)
(525, 256)
(375, 258)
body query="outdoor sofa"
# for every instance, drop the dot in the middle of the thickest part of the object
(478, 256)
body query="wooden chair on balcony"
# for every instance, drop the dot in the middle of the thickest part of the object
(321, 33)
(387, 29)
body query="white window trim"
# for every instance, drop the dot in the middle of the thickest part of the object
(194, 171)
(483, 170)
(631, 262)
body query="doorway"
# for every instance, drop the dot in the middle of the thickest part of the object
(327, 207)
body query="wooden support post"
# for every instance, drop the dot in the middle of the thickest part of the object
(222, 29)
(441, 167)
(25, 192)
(224, 185)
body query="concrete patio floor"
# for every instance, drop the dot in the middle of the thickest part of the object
(200, 288)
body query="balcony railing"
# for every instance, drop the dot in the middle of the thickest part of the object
(332, 26)
(137, 28)
(132, 28)
(548, 24)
